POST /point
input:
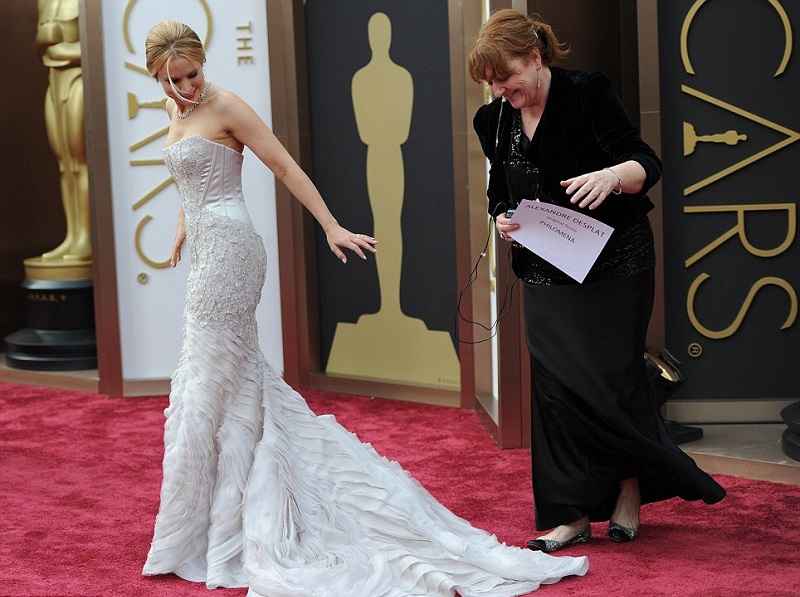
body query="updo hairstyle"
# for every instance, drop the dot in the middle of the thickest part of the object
(168, 40)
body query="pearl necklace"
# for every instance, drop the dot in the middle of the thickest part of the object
(183, 115)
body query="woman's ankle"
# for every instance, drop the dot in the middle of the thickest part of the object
(626, 510)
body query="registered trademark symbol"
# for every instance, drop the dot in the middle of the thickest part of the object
(143, 278)
(694, 350)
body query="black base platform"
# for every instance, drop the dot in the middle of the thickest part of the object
(790, 442)
(52, 350)
(60, 335)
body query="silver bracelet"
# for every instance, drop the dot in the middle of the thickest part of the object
(615, 190)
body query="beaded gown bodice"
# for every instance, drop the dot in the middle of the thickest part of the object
(228, 257)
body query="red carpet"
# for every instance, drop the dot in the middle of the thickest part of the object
(80, 476)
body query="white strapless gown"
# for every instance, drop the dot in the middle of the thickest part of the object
(260, 492)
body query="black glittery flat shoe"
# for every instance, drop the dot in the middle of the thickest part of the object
(621, 534)
(551, 545)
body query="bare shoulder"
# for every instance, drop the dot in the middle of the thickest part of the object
(226, 100)
(237, 117)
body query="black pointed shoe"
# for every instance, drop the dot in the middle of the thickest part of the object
(551, 545)
(621, 534)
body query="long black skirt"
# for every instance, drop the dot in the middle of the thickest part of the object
(594, 416)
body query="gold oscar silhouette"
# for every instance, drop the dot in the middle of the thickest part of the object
(58, 284)
(691, 138)
(388, 345)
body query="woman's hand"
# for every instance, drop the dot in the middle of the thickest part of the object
(505, 227)
(340, 238)
(176, 248)
(591, 189)
(180, 236)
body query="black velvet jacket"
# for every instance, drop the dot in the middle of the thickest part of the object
(583, 128)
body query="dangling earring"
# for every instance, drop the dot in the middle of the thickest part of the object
(538, 77)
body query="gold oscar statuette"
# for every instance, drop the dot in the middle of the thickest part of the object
(58, 46)
(58, 284)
